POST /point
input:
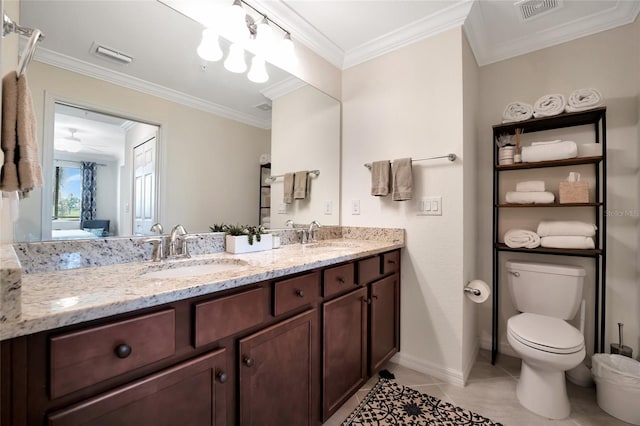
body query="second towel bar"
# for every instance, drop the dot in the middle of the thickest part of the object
(450, 157)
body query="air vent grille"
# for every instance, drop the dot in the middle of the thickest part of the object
(111, 54)
(266, 106)
(530, 9)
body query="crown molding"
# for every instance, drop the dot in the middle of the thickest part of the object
(282, 88)
(450, 17)
(301, 30)
(622, 13)
(68, 63)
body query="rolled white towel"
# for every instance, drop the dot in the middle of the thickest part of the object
(517, 111)
(583, 99)
(530, 186)
(529, 197)
(549, 151)
(567, 242)
(549, 105)
(518, 238)
(549, 228)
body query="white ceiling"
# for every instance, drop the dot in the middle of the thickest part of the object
(344, 32)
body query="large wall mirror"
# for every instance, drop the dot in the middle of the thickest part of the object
(210, 129)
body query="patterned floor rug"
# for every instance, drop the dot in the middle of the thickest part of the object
(389, 403)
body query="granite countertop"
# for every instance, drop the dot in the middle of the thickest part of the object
(54, 299)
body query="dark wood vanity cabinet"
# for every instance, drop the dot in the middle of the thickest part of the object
(282, 352)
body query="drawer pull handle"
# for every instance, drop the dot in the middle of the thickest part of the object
(122, 351)
(247, 361)
(365, 300)
(341, 280)
(393, 262)
(221, 376)
(374, 296)
(299, 293)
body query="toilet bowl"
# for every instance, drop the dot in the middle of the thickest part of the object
(546, 295)
(548, 347)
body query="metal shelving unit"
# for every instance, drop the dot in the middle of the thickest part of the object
(597, 118)
(264, 207)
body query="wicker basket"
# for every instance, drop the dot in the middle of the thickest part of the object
(573, 192)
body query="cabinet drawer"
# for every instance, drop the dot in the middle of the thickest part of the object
(229, 315)
(338, 279)
(295, 293)
(391, 262)
(368, 270)
(86, 357)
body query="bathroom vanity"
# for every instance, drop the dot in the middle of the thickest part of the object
(283, 347)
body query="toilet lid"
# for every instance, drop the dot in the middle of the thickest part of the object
(545, 333)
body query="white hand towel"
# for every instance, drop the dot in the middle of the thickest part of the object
(546, 142)
(549, 105)
(380, 178)
(402, 179)
(567, 242)
(551, 151)
(530, 186)
(518, 238)
(529, 197)
(548, 228)
(517, 111)
(583, 99)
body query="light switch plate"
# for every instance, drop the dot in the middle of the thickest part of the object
(282, 208)
(430, 206)
(355, 206)
(328, 207)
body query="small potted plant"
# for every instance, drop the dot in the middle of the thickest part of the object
(246, 239)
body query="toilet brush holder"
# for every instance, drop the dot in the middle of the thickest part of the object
(619, 348)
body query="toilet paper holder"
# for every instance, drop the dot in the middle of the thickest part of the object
(473, 291)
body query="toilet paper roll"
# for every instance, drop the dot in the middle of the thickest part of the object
(480, 285)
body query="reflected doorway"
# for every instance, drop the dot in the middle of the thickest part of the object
(94, 190)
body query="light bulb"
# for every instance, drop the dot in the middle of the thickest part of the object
(234, 23)
(258, 71)
(235, 61)
(286, 49)
(264, 37)
(209, 48)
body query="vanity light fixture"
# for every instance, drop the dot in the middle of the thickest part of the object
(253, 32)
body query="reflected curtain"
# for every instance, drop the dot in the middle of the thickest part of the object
(88, 191)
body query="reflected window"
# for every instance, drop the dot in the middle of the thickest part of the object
(67, 192)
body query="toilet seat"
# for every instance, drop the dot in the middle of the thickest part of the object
(545, 333)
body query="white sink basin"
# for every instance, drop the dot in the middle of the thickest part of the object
(193, 269)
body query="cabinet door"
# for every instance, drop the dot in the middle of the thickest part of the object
(345, 349)
(385, 321)
(190, 394)
(277, 373)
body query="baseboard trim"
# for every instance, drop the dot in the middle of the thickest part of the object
(503, 348)
(447, 375)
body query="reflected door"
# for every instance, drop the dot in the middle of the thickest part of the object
(144, 178)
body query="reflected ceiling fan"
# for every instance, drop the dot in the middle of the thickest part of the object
(69, 143)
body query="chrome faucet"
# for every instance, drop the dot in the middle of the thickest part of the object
(312, 232)
(158, 251)
(288, 223)
(156, 227)
(177, 244)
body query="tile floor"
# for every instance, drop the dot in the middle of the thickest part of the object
(491, 392)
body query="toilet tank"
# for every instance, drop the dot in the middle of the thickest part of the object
(544, 288)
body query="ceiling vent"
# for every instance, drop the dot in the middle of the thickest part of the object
(110, 54)
(265, 106)
(530, 9)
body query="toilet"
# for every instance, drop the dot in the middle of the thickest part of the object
(546, 295)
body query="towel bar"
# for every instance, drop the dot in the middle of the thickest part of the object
(450, 157)
(273, 178)
(35, 36)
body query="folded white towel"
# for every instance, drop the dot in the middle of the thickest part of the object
(549, 228)
(549, 105)
(518, 238)
(583, 99)
(530, 186)
(551, 151)
(567, 242)
(530, 197)
(517, 111)
(546, 142)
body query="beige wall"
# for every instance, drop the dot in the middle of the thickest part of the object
(609, 62)
(409, 103)
(471, 91)
(210, 169)
(306, 124)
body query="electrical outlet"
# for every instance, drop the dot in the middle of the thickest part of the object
(355, 206)
(328, 207)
